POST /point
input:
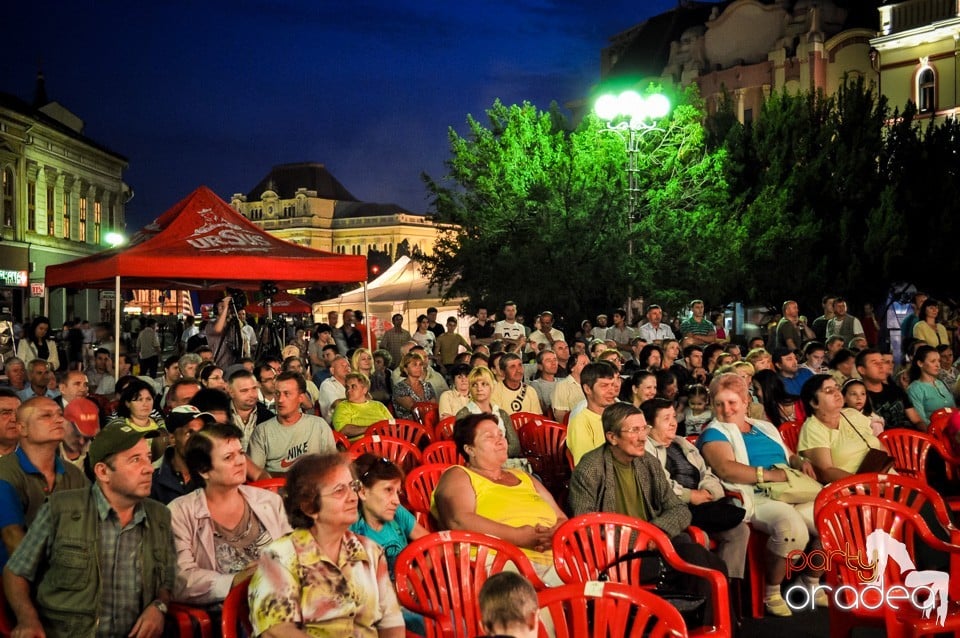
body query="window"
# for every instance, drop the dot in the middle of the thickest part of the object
(926, 90)
(32, 206)
(6, 188)
(82, 230)
(51, 220)
(66, 214)
(97, 214)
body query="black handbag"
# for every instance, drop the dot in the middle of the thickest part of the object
(671, 585)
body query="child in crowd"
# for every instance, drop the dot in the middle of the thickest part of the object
(855, 396)
(508, 606)
(697, 414)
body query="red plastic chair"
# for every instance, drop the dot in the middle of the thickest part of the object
(443, 452)
(185, 617)
(440, 575)
(343, 443)
(444, 429)
(418, 434)
(595, 609)
(545, 445)
(586, 544)
(418, 487)
(898, 488)
(428, 412)
(938, 420)
(790, 432)
(402, 452)
(520, 419)
(275, 484)
(849, 521)
(909, 450)
(236, 612)
(692, 438)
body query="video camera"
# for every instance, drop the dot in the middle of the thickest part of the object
(239, 298)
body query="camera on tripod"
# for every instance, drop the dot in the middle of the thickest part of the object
(239, 298)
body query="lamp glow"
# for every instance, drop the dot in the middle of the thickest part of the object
(114, 239)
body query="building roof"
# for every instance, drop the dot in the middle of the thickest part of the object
(13, 103)
(286, 179)
(346, 210)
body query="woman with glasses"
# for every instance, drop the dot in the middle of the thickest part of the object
(221, 528)
(383, 519)
(834, 438)
(413, 387)
(484, 496)
(323, 579)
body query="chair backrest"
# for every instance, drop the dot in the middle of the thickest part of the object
(545, 445)
(400, 451)
(440, 575)
(938, 420)
(343, 443)
(235, 621)
(909, 449)
(405, 429)
(585, 546)
(420, 483)
(273, 484)
(898, 488)
(444, 429)
(869, 524)
(443, 452)
(520, 419)
(692, 438)
(428, 413)
(790, 432)
(606, 610)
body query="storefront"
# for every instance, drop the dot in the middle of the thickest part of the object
(14, 281)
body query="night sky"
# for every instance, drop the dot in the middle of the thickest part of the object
(217, 92)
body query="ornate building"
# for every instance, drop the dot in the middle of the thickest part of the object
(304, 204)
(748, 49)
(62, 192)
(916, 53)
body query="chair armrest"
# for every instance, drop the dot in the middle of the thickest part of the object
(186, 615)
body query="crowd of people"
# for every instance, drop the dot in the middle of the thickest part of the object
(673, 424)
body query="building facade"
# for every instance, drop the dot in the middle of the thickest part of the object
(61, 194)
(747, 49)
(916, 53)
(304, 204)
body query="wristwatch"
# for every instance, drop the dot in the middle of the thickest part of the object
(759, 474)
(162, 606)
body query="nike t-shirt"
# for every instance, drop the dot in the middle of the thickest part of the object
(276, 447)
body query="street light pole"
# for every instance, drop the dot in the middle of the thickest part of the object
(635, 116)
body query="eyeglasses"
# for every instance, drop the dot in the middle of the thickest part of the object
(341, 491)
(382, 462)
(830, 389)
(637, 430)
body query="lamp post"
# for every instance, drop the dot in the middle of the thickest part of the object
(632, 116)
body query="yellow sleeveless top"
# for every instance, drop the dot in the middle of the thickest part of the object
(514, 506)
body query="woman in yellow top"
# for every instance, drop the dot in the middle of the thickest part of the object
(927, 329)
(482, 496)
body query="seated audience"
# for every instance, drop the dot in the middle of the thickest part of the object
(481, 390)
(221, 527)
(173, 478)
(322, 579)
(357, 412)
(457, 397)
(926, 391)
(834, 438)
(483, 496)
(412, 388)
(508, 606)
(742, 452)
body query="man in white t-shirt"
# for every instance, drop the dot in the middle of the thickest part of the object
(333, 389)
(509, 330)
(275, 445)
(543, 338)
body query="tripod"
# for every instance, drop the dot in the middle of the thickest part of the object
(269, 337)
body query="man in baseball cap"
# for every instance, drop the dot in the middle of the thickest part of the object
(113, 518)
(172, 477)
(83, 423)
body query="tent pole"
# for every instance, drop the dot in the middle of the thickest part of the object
(366, 315)
(116, 327)
(46, 302)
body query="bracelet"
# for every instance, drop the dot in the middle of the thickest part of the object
(759, 474)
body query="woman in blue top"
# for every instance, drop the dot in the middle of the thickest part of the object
(926, 391)
(383, 519)
(743, 452)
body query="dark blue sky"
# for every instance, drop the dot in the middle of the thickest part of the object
(217, 92)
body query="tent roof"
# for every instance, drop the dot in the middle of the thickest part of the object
(282, 303)
(201, 243)
(403, 281)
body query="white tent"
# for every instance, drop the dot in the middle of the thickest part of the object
(402, 288)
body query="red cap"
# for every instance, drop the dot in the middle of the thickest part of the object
(84, 414)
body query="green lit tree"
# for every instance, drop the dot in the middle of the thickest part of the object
(539, 209)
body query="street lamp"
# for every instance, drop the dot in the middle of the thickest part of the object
(114, 239)
(635, 115)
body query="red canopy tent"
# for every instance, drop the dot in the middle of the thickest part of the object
(283, 303)
(201, 243)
